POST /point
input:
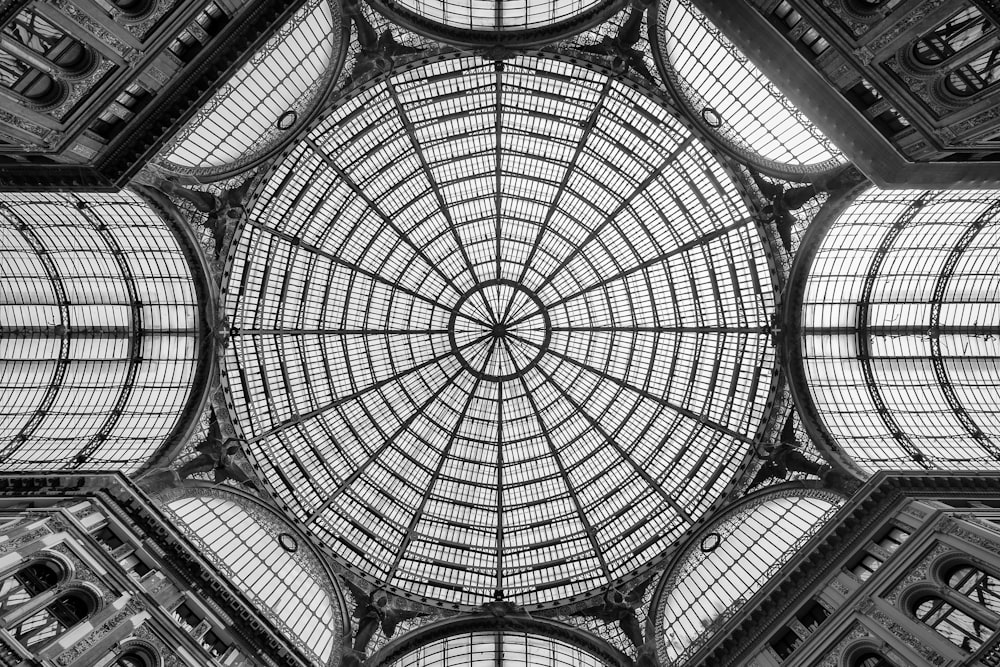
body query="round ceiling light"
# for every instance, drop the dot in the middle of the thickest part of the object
(499, 331)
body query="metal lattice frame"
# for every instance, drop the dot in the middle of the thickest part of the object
(898, 307)
(727, 96)
(487, 23)
(276, 92)
(100, 335)
(726, 563)
(515, 351)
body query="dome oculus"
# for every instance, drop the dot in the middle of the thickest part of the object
(498, 331)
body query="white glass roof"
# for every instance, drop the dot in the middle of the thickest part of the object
(99, 322)
(721, 571)
(266, 97)
(900, 340)
(267, 565)
(496, 649)
(732, 96)
(499, 330)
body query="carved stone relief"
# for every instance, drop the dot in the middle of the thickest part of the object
(929, 654)
(919, 572)
(855, 632)
(99, 633)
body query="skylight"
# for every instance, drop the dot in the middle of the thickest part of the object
(508, 340)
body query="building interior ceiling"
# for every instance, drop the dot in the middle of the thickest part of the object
(545, 306)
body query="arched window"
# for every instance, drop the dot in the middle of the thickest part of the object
(132, 8)
(959, 32)
(978, 74)
(872, 659)
(36, 577)
(865, 6)
(38, 35)
(52, 620)
(25, 80)
(952, 623)
(134, 657)
(982, 588)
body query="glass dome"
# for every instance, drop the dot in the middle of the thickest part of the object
(499, 331)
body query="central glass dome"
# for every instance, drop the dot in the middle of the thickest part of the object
(499, 330)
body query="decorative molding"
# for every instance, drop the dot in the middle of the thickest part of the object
(904, 24)
(855, 632)
(912, 510)
(27, 538)
(82, 571)
(141, 27)
(838, 586)
(79, 88)
(929, 654)
(950, 526)
(921, 87)
(22, 124)
(919, 572)
(146, 634)
(865, 606)
(98, 633)
(962, 126)
(837, 8)
(157, 75)
(85, 21)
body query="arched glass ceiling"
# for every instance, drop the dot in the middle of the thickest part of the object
(268, 564)
(901, 330)
(485, 18)
(732, 97)
(506, 649)
(265, 99)
(729, 562)
(499, 330)
(98, 331)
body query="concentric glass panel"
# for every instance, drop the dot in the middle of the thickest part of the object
(499, 330)
(266, 98)
(99, 323)
(721, 571)
(732, 96)
(506, 649)
(901, 330)
(266, 565)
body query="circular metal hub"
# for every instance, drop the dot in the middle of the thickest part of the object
(499, 330)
